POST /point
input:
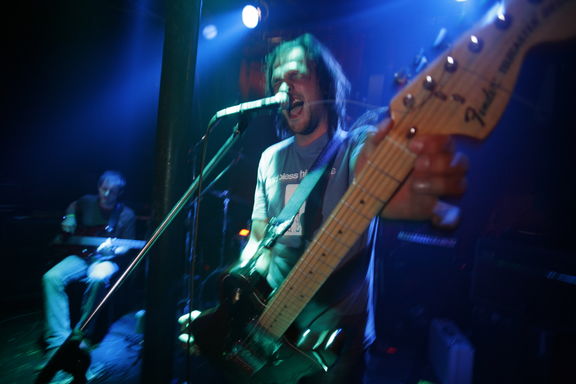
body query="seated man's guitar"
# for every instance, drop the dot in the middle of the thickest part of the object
(89, 246)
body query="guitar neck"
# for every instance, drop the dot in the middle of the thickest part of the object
(362, 201)
(92, 241)
(465, 91)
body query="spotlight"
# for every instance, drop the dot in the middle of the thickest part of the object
(210, 31)
(251, 16)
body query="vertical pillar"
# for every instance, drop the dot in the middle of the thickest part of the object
(173, 174)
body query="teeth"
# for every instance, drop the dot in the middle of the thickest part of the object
(296, 104)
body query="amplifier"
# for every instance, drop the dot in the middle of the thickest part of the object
(450, 352)
(524, 281)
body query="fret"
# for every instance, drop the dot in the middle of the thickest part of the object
(329, 266)
(323, 269)
(290, 305)
(314, 271)
(330, 248)
(353, 209)
(300, 288)
(392, 157)
(382, 172)
(341, 235)
(368, 194)
(360, 202)
(322, 255)
(281, 315)
(350, 225)
(277, 323)
(376, 186)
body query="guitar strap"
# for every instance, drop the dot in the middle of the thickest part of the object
(113, 219)
(280, 224)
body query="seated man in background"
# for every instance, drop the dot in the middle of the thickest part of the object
(99, 215)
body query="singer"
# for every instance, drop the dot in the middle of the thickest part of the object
(317, 89)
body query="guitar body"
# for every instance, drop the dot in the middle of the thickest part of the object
(229, 336)
(66, 246)
(84, 243)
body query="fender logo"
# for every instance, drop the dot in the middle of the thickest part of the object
(473, 114)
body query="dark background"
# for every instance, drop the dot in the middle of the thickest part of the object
(80, 84)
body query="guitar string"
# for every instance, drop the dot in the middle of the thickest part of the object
(369, 186)
(340, 251)
(328, 250)
(303, 259)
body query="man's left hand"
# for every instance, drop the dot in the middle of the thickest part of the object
(439, 171)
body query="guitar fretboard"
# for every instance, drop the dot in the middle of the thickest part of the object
(362, 201)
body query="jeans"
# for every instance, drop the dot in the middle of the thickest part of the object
(56, 303)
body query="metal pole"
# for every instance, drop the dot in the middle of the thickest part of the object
(173, 141)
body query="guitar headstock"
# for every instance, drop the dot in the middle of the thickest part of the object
(467, 88)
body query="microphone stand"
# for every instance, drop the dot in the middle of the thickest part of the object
(69, 356)
(191, 238)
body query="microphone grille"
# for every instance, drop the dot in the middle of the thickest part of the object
(282, 96)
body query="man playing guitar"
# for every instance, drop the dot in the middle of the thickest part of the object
(316, 88)
(99, 215)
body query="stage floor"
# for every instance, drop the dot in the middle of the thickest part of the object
(117, 359)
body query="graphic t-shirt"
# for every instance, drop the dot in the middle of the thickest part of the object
(282, 167)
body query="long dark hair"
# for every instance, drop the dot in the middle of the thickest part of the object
(332, 81)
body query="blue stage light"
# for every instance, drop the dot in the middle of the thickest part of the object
(210, 31)
(251, 16)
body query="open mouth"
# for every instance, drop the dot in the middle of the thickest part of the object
(295, 109)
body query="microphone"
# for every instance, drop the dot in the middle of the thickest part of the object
(280, 99)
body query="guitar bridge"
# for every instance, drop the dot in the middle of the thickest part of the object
(253, 354)
(247, 359)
